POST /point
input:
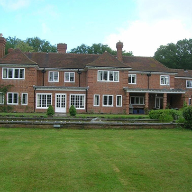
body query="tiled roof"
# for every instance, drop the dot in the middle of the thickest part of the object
(62, 60)
(16, 57)
(183, 73)
(148, 64)
(107, 60)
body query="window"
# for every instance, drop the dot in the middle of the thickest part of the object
(13, 73)
(189, 83)
(108, 76)
(137, 100)
(132, 78)
(44, 100)
(1, 98)
(108, 100)
(96, 100)
(119, 100)
(12, 98)
(78, 101)
(69, 77)
(24, 99)
(53, 76)
(164, 79)
(189, 101)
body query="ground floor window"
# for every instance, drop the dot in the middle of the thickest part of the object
(1, 98)
(24, 99)
(44, 100)
(96, 100)
(119, 100)
(78, 101)
(137, 100)
(12, 98)
(108, 100)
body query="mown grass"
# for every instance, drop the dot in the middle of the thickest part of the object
(95, 160)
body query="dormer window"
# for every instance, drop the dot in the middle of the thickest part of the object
(108, 76)
(13, 73)
(164, 80)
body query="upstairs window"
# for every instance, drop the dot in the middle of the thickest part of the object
(108, 76)
(164, 80)
(53, 76)
(132, 78)
(13, 73)
(69, 77)
(189, 83)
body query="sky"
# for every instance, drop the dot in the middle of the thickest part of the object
(142, 25)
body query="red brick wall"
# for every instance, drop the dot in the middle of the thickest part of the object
(22, 86)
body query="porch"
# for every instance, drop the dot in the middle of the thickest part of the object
(140, 100)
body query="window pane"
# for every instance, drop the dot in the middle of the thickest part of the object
(55, 76)
(16, 73)
(21, 73)
(10, 72)
(9, 97)
(15, 98)
(66, 76)
(105, 100)
(1, 98)
(50, 76)
(119, 100)
(4, 73)
(116, 76)
(72, 76)
(110, 100)
(110, 75)
(105, 75)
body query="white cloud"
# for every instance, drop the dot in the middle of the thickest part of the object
(159, 23)
(14, 4)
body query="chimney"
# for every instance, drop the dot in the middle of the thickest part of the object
(2, 45)
(119, 46)
(61, 48)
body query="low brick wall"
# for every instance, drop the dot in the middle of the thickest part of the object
(85, 125)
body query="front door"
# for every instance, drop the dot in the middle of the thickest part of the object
(60, 103)
(159, 102)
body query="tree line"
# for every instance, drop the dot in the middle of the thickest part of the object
(177, 56)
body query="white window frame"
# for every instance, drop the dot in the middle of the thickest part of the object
(103, 75)
(53, 75)
(164, 78)
(1, 98)
(132, 77)
(107, 105)
(190, 83)
(117, 105)
(96, 99)
(69, 80)
(41, 100)
(6, 72)
(22, 96)
(12, 102)
(78, 103)
(139, 99)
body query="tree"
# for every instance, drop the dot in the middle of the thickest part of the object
(177, 55)
(30, 44)
(40, 45)
(96, 49)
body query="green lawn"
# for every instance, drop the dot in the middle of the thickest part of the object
(95, 160)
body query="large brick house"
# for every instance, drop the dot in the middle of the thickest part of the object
(92, 83)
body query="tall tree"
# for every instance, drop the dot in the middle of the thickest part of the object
(40, 45)
(177, 55)
(96, 49)
(30, 44)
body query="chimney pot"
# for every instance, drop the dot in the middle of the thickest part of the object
(10, 50)
(61, 48)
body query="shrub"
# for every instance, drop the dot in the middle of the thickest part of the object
(50, 110)
(72, 111)
(187, 114)
(165, 115)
